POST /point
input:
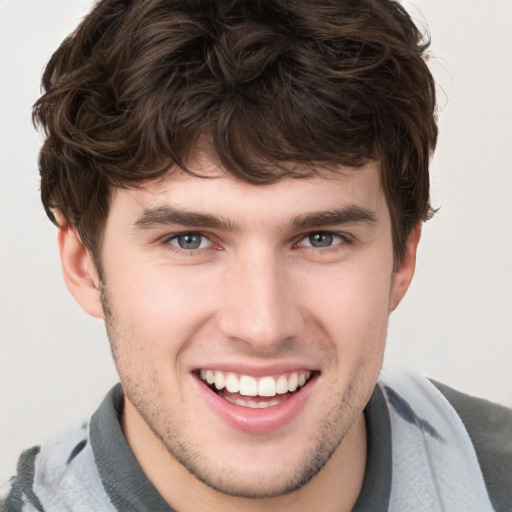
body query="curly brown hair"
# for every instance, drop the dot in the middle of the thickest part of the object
(279, 88)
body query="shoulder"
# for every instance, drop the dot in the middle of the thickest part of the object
(21, 495)
(60, 474)
(490, 429)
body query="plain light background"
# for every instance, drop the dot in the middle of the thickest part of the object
(456, 322)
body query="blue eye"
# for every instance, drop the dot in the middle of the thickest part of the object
(190, 241)
(321, 239)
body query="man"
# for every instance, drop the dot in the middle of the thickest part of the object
(239, 189)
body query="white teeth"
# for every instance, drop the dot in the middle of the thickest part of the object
(267, 387)
(220, 381)
(293, 382)
(244, 402)
(232, 383)
(282, 385)
(264, 405)
(248, 386)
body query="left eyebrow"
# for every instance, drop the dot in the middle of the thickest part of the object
(164, 215)
(349, 215)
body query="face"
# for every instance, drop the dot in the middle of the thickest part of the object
(248, 322)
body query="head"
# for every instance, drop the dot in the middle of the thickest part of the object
(248, 178)
(276, 89)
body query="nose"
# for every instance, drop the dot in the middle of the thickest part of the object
(260, 304)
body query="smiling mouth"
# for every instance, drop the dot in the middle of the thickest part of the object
(255, 393)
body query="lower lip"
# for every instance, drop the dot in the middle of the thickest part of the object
(257, 421)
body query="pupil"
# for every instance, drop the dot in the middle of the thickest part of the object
(320, 239)
(189, 241)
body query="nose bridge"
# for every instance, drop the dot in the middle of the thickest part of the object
(260, 306)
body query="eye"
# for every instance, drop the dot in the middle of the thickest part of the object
(190, 241)
(321, 239)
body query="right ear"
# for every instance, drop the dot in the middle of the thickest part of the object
(78, 268)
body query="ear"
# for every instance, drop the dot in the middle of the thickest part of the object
(78, 268)
(402, 276)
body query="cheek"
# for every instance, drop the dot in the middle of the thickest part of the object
(160, 307)
(352, 305)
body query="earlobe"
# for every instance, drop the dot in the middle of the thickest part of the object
(78, 268)
(404, 273)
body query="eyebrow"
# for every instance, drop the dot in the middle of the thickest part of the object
(165, 215)
(348, 215)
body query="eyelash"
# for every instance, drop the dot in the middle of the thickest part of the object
(343, 240)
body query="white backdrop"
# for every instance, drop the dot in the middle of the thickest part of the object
(456, 323)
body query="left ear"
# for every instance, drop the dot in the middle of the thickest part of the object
(402, 276)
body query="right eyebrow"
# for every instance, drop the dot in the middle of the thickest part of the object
(166, 216)
(351, 214)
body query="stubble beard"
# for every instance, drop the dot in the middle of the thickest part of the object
(322, 445)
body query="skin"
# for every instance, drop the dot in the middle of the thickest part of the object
(256, 294)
